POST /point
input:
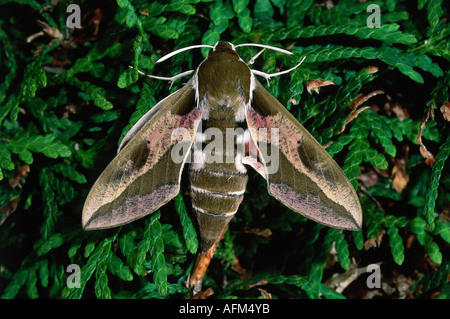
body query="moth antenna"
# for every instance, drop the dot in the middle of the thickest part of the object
(264, 46)
(164, 78)
(268, 76)
(252, 60)
(171, 54)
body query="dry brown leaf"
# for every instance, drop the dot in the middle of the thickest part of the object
(445, 214)
(435, 294)
(368, 178)
(380, 236)
(363, 98)
(372, 69)
(400, 176)
(356, 103)
(266, 232)
(369, 243)
(410, 240)
(46, 30)
(37, 52)
(8, 209)
(327, 4)
(374, 243)
(204, 294)
(19, 177)
(239, 269)
(95, 21)
(382, 173)
(261, 282)
(429, 158)
(290, 46)
(265, 294)
(353, 116)
(339, 282)
(445, 109)
(402, 285)
(401, 113)
(314, 85)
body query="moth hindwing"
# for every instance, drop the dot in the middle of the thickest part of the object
(219, 123)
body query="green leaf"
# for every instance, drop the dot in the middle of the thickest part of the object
(5, 159)
(189, 232)
(44, 273)
(263, 10)
(125, 79)
(157, 251)
(31, 285)
(126, 244)
(330, 293)
(396, 243)
(418, 225)
(434, 8)
(343, 253)
(34, 79)
(358, 239)
(433, 251)
(73, 249)
(53, 242)
(17, 281)
(432, 192)
(101, 283)
(88, 249)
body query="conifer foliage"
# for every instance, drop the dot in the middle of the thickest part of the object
(376, 95)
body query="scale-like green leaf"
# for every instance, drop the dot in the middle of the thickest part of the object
(432, 192)
(189, 232)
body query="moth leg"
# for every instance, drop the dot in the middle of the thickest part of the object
(268, 76)
(253, 58)
(252, 157)
(201, 265)
(164, 78)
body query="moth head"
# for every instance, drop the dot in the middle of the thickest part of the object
(223, 47)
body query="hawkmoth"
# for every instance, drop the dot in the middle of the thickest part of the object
(222, 99)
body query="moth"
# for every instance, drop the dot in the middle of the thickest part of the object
(220, 123)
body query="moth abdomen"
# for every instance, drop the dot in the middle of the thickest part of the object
(215, 181)
(216, 196)
(216, 203)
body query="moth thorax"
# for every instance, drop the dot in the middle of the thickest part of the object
(223, 82)
(224, 107)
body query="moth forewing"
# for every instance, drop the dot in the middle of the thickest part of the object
(308, 180)
(222, 98)
(143, 177)
(162, 106)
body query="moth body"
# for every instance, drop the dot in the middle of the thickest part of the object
(218, 180)
(206, 124)
(217, 188)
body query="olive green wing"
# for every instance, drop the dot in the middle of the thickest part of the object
(299, 172)
(144, 175)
